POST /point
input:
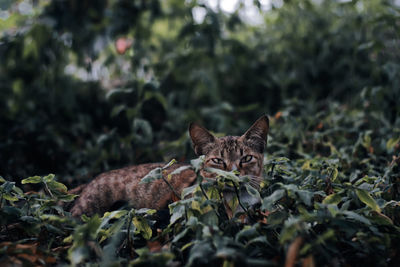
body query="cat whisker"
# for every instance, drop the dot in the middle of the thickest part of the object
(254, 181)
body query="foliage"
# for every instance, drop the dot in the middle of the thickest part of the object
(87, 86)
(335, 200)
(97, 85)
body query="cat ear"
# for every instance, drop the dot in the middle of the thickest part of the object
(202, 139)
(256, 136)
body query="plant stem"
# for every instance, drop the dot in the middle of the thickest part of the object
(223, 203)
(48, 190)
(1, 201)
(129, 234)
(272, 170)
(170, 186)
(240, 203)
(205, 194)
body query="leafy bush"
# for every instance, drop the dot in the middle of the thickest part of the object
(335, 200)
(101, 84)
(77, 104)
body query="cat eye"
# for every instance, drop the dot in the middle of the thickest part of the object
(217, 161)
(246, 159)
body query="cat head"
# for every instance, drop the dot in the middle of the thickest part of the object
(242, 153)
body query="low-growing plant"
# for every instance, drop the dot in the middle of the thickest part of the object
(312, 211)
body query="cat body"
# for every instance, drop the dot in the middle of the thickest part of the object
(122, 185)
(243, 154)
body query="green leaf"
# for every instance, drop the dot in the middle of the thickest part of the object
(156, 95)
(224, 174)
(197, 163)
(259, 240)
(213, 193)
(334, 173)
(306, 196)
(142, 131)
(48, 178)
(29, 219)
(54, 229)
(182, 234)
(53, 185)
(10, 197)
(18, 190)
(279, 160)
(10, 210)
(145, 211)
(189, 190)
(118, 92)
(116, 214)
(366, 198)
(67, 198)
(268, 202)
(177, 211)
(169, 164)
(368, 179)
(246, 234)
(54, 218)
(117, 110)
(180, 169)
(153, 175)
(391, 143)
(142, 227)
(332, 199)
(7, 187)
(366, 45)
(187, 245)
(209, 218)
(380, 218)
(252, 191)
(113, 230)
(32, 180)
(357, 217)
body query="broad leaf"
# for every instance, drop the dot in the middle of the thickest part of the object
(366, 198)
(32, 180)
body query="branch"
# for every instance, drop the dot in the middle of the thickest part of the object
(170, 186)
(240, 203)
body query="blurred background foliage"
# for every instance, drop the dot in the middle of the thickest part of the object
(87, 86)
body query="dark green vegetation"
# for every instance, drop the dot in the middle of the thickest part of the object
(88, 86)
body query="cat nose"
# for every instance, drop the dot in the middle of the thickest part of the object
(234, 167)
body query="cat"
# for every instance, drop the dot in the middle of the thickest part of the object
(243, 154)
